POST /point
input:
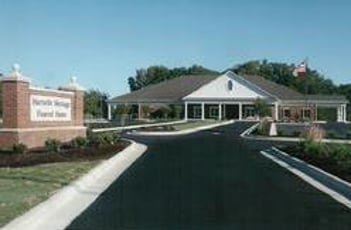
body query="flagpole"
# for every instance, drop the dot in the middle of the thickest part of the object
(306, 89)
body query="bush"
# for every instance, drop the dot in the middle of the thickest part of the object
(331, 134)
(19, 148)
(52, 145)
(263, 127)
(79, 142)
(102, 139)
(315, 134)
(348, 135)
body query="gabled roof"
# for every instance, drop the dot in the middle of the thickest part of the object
(168, 91)
(175, 90)
(279, 91)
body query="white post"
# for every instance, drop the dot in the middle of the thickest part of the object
(224, 112)
(339, 116)
(219, 111)
(240, 111)
(344, 113)
(109, 111)
(202, 111)
(276, 110)
(186, 111)
(139, 111)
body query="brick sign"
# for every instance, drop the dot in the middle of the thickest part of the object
(49, 108)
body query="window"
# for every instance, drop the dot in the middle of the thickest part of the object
(197, 111)
(287, 113)
(230, 85)
(214, 112)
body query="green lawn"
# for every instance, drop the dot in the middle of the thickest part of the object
(23, 188)
(194, 124)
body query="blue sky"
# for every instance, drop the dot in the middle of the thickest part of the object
(104, 42)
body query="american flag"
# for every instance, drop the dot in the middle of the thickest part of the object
(300, 70)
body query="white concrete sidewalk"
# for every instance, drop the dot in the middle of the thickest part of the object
(62, 208)
(180, 132)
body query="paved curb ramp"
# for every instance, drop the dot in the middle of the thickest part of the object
(62, 208)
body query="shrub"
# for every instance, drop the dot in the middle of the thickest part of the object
(52, 145)
(315, 134)
(105, 138)
(296, 133)
(19, 148)
(312, 147)
(331, 134)
(348, 135)
(263, 127)
(79, 142)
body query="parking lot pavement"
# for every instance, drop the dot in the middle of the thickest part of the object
(211, 180)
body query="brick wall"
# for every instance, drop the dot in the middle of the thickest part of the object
(17, 124)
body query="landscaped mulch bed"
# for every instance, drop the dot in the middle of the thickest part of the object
(328, 164)
(40, 156)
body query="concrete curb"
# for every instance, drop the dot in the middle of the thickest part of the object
(246, 134)
(62, 208)
(181, 132)
(137, 126)
(331, 185)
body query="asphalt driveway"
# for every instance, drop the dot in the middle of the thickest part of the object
(211, 180)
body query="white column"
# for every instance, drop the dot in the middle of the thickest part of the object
(202, 111)
(224, 112)
(344, 113)
(219, 111)
(276, 111)
(186, 111)
(109, 111)
(240, 111)
(139, 111)
(339, 116)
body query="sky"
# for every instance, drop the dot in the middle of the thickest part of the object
(103, 42)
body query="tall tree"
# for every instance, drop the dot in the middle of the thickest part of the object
(281, 73)
(156, 74)
(95, 105)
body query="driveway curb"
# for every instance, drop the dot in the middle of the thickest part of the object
(327, 183)
(63, 207)
(246, 134)
(137, 126)
(181, 132)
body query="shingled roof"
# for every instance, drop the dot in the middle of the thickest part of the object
(175, 90)
(168, 91)
(280, 91)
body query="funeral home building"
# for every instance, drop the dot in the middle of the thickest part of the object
(231, 96)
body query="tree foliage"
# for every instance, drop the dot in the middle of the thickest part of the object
(95, 105)
(281, 73)
(156, 74)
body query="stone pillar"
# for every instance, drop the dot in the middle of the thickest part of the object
(15, 99)
(202, 111)
(78, 101)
